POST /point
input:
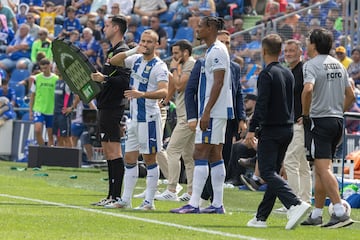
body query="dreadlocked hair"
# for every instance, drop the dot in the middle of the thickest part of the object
(217, 22)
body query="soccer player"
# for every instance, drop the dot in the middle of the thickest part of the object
(215, 107)
(326, 95)
(274, 119)
(148, 83)
(111, 105)
(42, 102)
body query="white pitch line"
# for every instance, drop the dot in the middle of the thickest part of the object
(119, 215)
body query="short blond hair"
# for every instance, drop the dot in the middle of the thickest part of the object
(152, 33)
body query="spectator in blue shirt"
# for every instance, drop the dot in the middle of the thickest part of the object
(8, 92)
(18, 49)
(70, 23)
(89, 45)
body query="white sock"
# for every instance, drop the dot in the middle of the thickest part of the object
(255, 178)
(130, 178)
(316, 212)
(339, 209)
(201, 172)
(152, 178)
(217, 180)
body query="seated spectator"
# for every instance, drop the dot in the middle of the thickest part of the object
(252, 48)
(155, 25)
(34, 28)
(70, 23)
(330, 25)
(6, 110)
(83, 10)
(42, 44)
(125, 6)
(75, 37)
(10, 17)
(18, 49)
(354, 67)
(102, 53)
(249, 82)
(316, 13)
(239, 26)
(200, 9)
(114, 9)
(352, 126)
(335, 14)
(229, 24)
(283, 29)
(292, 20)
(239, 149)
(6, 34)
(8, 92)
(47, 17)
(342, 57)
(89, 45)
(100, 19)
(23, 10)
(91, 23)
(34, 5)
(182, 12)
(147, 8)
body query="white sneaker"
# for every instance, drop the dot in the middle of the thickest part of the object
(167, 196)
(185, 197)
(256, 223)
(142, 195)
(296, 213)
(118, 204)
(282, 210)
(178, 188)
(145, 206)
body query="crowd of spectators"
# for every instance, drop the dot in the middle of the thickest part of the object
(27, 28)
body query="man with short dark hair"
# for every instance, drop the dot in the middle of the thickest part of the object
(326, 95)
(111, 105)
(273, 121)
(214, 108)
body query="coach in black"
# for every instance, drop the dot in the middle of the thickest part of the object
(111, 103)
(273, 119)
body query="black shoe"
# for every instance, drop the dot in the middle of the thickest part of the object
(250, 183)
(312, 222)
(247, 162)
(338, 222)
(234, 182)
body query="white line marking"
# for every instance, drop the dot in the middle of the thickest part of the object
(119, 215)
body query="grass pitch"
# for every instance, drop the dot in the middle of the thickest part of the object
(57, 206)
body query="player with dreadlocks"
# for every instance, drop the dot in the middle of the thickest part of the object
(207, 115)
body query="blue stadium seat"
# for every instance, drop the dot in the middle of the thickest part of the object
(166, 17)
(170, 32)
(183, 33)
(57, 29)
(140, 29)
(19, 91)
(18, 75)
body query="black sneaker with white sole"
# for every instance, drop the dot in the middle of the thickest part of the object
(312, 221)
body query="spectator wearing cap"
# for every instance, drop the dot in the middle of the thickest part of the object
(70, 23)
(229, 24)
(354, 67)
(342, 57)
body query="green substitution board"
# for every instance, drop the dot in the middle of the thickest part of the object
(75, 69)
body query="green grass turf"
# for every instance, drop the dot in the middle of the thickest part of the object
(37, 217)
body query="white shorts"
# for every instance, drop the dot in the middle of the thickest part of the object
(144, 137)
(215, 134)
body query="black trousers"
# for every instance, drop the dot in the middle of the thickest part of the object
(272, 146)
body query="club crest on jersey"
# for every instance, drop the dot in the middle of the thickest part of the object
(147, 69)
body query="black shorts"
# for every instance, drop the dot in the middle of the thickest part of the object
(62, 125)
(323, 137)
(109, 124)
